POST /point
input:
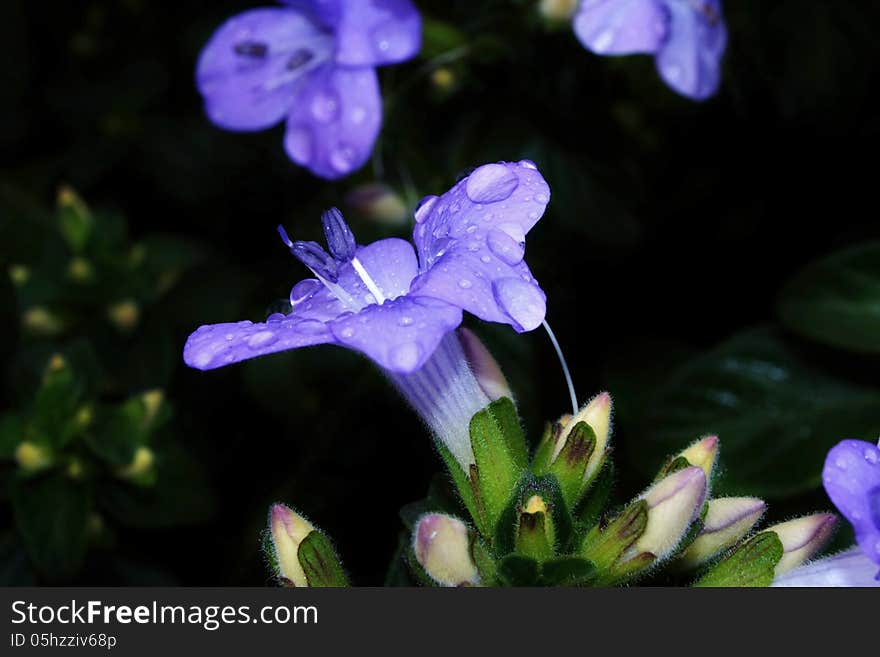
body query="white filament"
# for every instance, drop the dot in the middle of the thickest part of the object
(568, 381)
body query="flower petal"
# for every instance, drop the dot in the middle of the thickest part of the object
(391, 263)
(401, 334)
(376, 32)
(471, 243)
(852, 480)
(621, 27)
(332, 126)
(690, 60)
(216, 345)
(251, 68)
(850, 568)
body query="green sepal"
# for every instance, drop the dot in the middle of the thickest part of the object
(567, 571)
(672, 466)
(590, 508)
(558, 520)
(571, 464)
(620, 573)
(466, 489)
(604, 545)
(534, 536)
(505, 414)
(319, 562)
(751, 564)
(517, 570)
(484, 561)
(497, 470)
(544, 450)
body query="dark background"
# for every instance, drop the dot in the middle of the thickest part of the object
(672, 226)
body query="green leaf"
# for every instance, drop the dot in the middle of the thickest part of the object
(590, 508)
(775, 415)
(52, 513)
(516, 570)
(751, 564)
(319, 562)
(74, 219)
(836, 300)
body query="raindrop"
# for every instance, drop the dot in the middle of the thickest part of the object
(299, 145)
(406, 357)
(262, 339)
(506, 248)
(491, 183)
(464, 283)
(871, 455)
(342, 158)
(325, 106)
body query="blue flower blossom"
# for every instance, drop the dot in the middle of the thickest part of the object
(687, 37)
(400, 306)
(311, 63)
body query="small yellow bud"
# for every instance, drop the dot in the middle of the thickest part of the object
(84, 417)
(56, 363)
(75, 469)
(124, 314)
(67, 198)
(597, 414)
(443, 78)
(140, 465)
(152, 402)
(80, 270)
(802, 538)
(442, 547)
(32, 457)
(288, 530)
(40, 321)
(535, 504)
(557, 10)
(19, 274)
(703, 454)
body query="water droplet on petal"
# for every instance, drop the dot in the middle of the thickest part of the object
(515, 231)
(405, 321)
(528, 164)
(604, 41)
(541, 197)
(523, 302)
(871, 455)
(302, 290)
(485, 259)
(491, 183)
(310, 326)
(504, 246)
(464, 283)
(405, 357)
(840, 462)
(347, 332)
(262, 339)
(424, 208)
(299, 145)
(342, 158)
(325, 106)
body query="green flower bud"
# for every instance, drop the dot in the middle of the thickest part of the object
(727, 521)
(802, 538)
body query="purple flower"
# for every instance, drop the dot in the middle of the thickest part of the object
(687, 37)
(311, 62)
(398, 305)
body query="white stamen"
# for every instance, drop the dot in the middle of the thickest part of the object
(568, 381)
(368, 281)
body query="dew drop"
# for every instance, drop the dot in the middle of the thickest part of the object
(405, 321)
(491, 183)
(485, 259)
(604, 41)
(505, 247)
(310, 326)
(528, 164)
(299, 145)
(325, 106)
(405, 357)
(262, 339)
(424, 208)
(871, 456)
(347, 332)
(302, 290)
(524, 303)
(342, 158)
(464, 284)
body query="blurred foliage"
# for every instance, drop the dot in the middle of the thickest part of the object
(674, 230)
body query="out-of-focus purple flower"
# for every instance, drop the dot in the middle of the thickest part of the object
(849, 568)
(398, 305)
(311, 62)
(687, 38)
